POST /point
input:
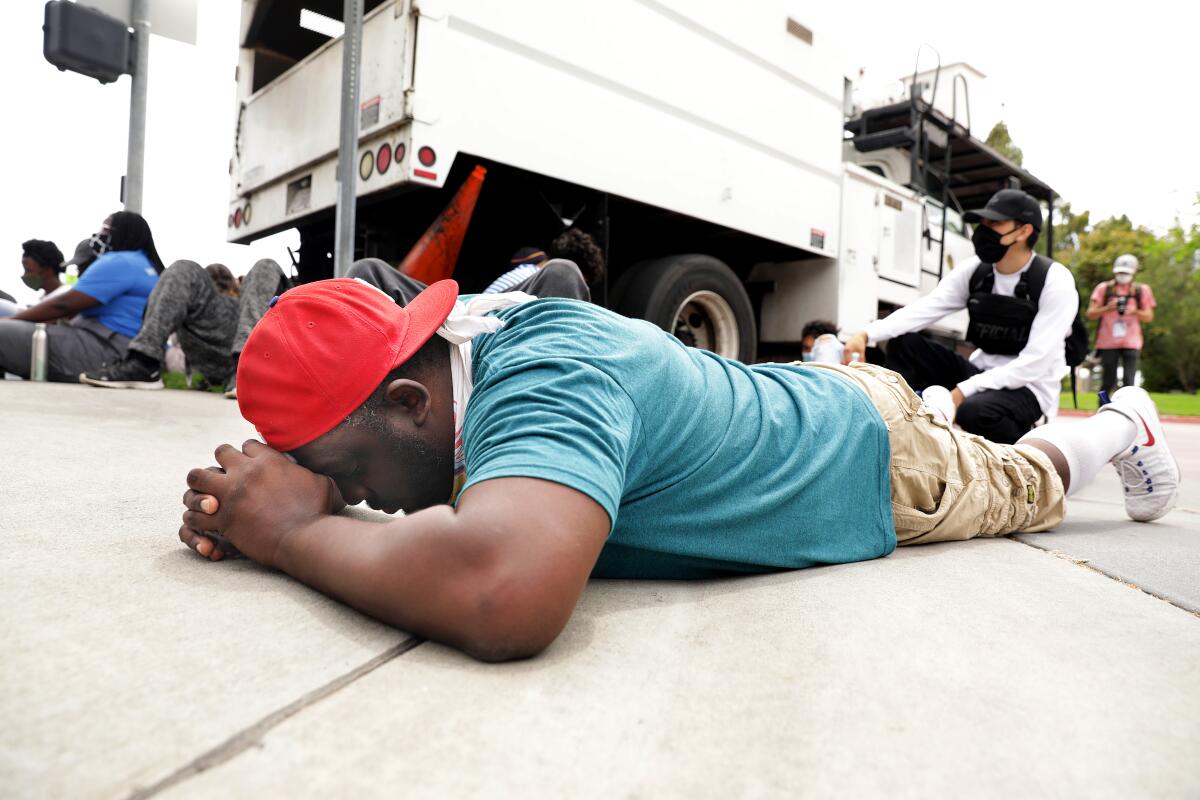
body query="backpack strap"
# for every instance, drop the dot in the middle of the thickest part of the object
(1035, 277)
(982, 279)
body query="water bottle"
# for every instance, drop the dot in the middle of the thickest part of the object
(827, 349)
(37, 359)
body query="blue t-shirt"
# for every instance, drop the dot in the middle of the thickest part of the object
(121, 281)
(705, 465)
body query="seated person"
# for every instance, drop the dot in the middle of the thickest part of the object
(1022, 306)
(211, 325)
(43, 265)
(83, 258)
(107, 303)
(223, 279)
(575, 263)
(174, 359)
(819, 342)
(41, 262)
(541, 442)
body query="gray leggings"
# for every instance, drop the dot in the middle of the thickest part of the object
(559, 278)
(212, 327)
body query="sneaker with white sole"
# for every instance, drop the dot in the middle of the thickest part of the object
(1147, 468)
(128, 373)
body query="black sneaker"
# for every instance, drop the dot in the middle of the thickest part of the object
(128, 373)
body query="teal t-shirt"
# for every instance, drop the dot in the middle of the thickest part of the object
(705, 466)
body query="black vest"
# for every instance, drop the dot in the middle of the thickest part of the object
(1001, 324)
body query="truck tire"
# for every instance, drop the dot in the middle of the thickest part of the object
(695, 297)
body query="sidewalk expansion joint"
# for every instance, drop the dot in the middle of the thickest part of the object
(253, 735)
(1121, 503)
(1083, 562)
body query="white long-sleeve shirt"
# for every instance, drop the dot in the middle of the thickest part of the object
(1039, 366)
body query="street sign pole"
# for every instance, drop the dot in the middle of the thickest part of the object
(347, 169)
(139, 12)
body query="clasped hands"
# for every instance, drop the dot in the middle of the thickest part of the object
(251, 503)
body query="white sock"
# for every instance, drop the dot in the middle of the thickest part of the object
(1087, 446)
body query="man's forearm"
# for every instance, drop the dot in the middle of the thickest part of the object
(419, 573)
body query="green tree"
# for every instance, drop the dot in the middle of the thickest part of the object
(1068, 232)
(1171, 354)
(999, 140)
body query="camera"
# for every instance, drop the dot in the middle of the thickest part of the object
(1122, 302)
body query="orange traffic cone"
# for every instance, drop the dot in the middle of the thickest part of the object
(435, 254)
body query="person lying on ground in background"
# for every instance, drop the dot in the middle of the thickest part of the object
(535, 443)
(1013, 379)
(212, 326)
(107, 304)
(575, 263)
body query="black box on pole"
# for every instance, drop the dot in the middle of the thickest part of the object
(86, 41)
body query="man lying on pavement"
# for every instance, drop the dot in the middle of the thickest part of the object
(535, 443)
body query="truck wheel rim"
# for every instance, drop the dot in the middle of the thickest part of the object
(707, 321)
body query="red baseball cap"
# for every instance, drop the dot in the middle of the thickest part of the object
(323, 348)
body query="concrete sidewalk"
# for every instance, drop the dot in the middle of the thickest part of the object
(991, 668)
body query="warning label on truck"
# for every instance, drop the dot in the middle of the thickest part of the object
(816, 238)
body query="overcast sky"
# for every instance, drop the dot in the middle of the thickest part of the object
(1104, 99)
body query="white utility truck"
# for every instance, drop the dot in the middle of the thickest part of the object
(712, 149)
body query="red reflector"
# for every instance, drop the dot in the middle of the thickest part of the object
(237, 218)
(426, 156)
(383, 158)
(398, 155)
(421, 173)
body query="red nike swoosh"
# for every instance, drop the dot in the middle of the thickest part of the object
(1149, 436)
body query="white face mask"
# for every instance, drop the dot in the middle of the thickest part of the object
(1124, 277)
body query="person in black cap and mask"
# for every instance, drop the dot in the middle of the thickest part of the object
(83, 258)
(1022, 307)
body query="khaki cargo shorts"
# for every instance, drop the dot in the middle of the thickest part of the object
(949, 485)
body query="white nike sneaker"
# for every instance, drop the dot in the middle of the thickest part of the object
(1147, 468)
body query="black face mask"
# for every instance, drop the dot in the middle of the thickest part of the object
(987, 244)
(32, 280)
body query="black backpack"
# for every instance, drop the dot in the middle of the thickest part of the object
(1075, 345)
